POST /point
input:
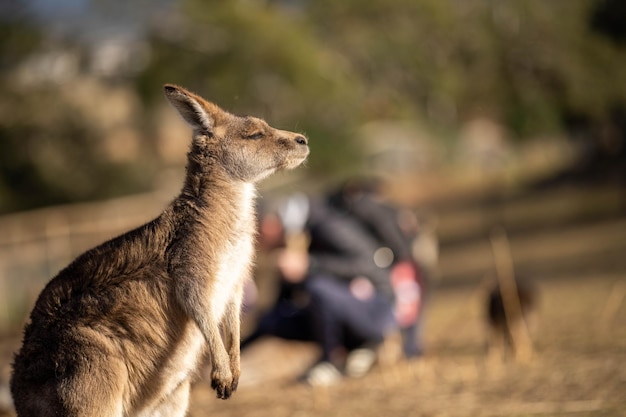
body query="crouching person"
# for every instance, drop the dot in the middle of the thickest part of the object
(350, 299)
(335, 291)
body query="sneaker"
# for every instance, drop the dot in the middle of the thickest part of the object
(360, 362)
(322, 374)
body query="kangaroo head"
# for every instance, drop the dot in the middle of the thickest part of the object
(244, 148)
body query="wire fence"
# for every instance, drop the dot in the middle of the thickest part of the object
(35, 245)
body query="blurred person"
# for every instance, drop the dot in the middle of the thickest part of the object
(395, 231)
(337, 291)
(331, 291)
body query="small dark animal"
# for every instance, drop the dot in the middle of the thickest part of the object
(122, 330)
(508, 324)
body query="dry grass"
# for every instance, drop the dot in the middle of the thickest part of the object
(578, 370)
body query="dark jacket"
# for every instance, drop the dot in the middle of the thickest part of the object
(380, 219)
(341, 247)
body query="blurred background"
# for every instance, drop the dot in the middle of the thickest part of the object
(476, 113)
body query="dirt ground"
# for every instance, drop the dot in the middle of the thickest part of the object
(579, 368)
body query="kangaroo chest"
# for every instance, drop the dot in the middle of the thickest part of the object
(236, 255)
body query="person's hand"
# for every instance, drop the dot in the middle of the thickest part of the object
(362, 289)
(293, 265)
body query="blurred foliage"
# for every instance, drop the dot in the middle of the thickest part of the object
(49, 152)
(525, 63)
(257, 59)
(323, 68)
(53, 155)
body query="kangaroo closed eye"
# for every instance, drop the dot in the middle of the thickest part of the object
(256, 135)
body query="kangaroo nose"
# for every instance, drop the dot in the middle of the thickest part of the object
(301, 140)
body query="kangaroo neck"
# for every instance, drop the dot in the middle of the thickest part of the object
(212, 195)
(209, 187)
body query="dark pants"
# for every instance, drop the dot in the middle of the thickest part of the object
(412, 339)
(333, 317)
(287, 320)
(341, 320)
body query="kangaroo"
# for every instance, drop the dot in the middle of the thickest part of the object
(122, 330)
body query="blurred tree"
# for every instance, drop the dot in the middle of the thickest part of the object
(608, 18)
(257, 58)
(524, 63)
(322, 67)
(52, 154)
(50, 151)
(17, 39)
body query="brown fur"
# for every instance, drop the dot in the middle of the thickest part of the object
(122, 329)
(505, 330)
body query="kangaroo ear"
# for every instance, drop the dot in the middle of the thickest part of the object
(191, 107)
